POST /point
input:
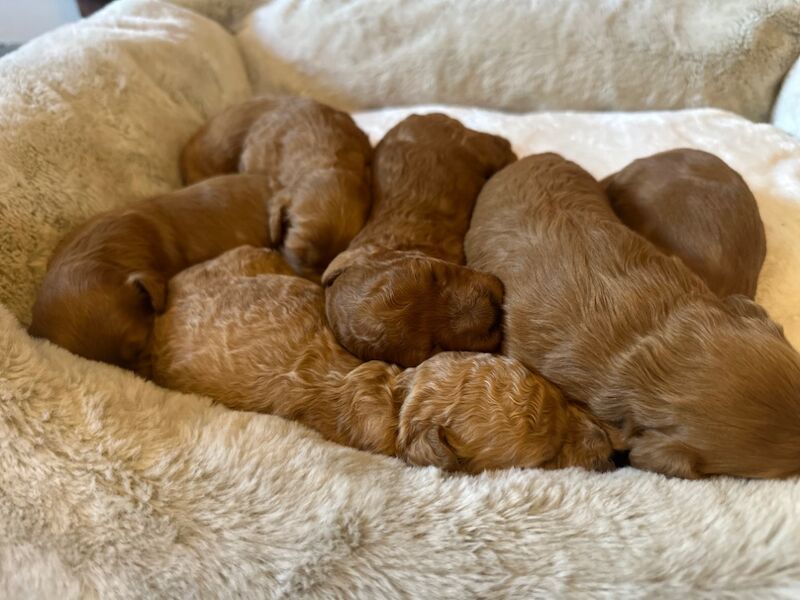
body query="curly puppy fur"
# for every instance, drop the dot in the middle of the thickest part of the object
(698, 385)
(243, 331)
(107, 279)
(318, 161)
(692, 205)
(400, 292)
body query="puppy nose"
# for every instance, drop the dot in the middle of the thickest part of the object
(621, 458)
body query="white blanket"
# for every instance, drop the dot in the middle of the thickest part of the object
(112, 487)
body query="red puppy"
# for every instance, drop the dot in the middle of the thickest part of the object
(698, 385)
(399, 293)
(692, 205)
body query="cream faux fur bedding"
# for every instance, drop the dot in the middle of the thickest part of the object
(111, 487)
(523, 55)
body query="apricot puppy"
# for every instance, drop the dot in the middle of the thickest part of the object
(107, 279)
(692, 205)
(242, 331)
(318, 162)
(698, 385)
(399, 293)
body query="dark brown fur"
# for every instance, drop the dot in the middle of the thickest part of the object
(692, 205)
(698, 385)
(400, 292)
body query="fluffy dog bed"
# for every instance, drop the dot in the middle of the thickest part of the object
(112, 487)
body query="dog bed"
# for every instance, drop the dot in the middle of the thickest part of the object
(111, 487)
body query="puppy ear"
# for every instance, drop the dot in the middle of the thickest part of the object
(492, 151)
(337, 266)
(153, 286)
(360, 257)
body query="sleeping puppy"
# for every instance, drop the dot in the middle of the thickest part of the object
(692, 205)
(318, 162)
(107, 279)
(399, 293)
(242, 331)
(698, 385)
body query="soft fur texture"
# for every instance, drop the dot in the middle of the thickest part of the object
(140, 59)
(786, 110)
(318, 163)
(692, 205)
(634, 334)
(107, 279)
(240, 329)
(525, 55)
(113, 487)
(399, 293)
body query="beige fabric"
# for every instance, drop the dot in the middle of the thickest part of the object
(99, 112)
(523, 55)
(113, 488)
(786, 112)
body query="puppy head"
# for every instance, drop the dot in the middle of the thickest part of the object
(489, 152)
(403, 307)
(319, 218)
(101, 314)
(720, 396)
(473, 412)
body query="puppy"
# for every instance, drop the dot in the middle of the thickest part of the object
(692, 205)
(697, 385)
(107, 279)
(242, 331)
(399, 293)
(318, 161)
(308, 194)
